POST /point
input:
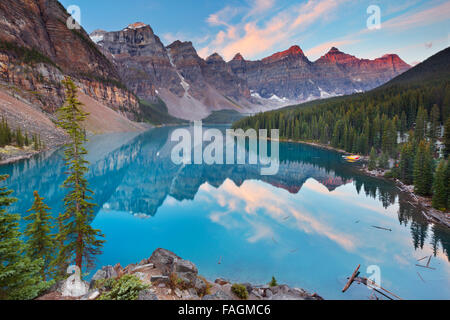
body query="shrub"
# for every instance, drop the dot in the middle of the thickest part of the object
(240, 291)
(125, 288)
(273, 283)
(207, 289)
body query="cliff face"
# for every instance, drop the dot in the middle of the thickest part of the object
(37, 50)
(190, 86)
(142, 60)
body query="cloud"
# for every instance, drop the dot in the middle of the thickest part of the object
(419, 19)
(224, 16)
(251, 38)
(260, 6)
(255, 199)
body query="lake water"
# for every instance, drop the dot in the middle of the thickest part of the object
(309, 226)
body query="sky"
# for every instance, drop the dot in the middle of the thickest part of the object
(413, 29)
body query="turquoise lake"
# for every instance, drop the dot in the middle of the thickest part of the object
(309, 226)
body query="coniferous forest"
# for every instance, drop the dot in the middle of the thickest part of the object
(405, 122)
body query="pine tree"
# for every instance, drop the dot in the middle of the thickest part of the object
(435, 124)
(447, 138)
(440, 194)
(372, 160)
(38, 232)
(384, 161)
(421, 124)
(406, 165)
(423, 170)
(62, 262)
(19, 138)
(19, 275)
(82, 241)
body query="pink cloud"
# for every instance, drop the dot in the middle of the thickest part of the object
(251, 39)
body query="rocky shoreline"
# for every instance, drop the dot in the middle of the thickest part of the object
(169, 277)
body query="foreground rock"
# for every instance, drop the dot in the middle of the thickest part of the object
(169, 277)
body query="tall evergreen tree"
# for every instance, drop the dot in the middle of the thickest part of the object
(423, 170)
(421, 124)
(406, 165)
(83, 242)
(440, 193)
(447, 138)
(372, 160)
(39, 238)
(435, 124)
(19, 275)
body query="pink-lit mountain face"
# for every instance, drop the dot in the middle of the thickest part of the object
(290, 74)
(184, 80)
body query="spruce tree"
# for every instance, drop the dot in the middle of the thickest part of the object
(447, 138)
(406, 165)
(373, 160)
(440, 194)
(39, 238)
(384, 161)
(423, 170)
(19, 275)
(83, 242)
(435, 124)
(421, 124)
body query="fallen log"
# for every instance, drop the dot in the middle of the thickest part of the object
(381, 228)
(418, 265)
(352, 279)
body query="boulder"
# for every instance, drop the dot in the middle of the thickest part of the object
(107, 272)
(160, 279)
(104, 273)
(200, 286)
(219, 295)
(169, 263)
(248, 286)
(221, 282)
(147, 295)
(163, 260)
(91, 295)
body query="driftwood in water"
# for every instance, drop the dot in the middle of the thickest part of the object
(381, 228)
(419, 265)
(370, 284)
(352, 279)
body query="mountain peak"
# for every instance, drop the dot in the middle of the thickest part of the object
(238, 57)
(337, 56)
(136, 25)
(215, 57)
(294, 51)
(334, 50)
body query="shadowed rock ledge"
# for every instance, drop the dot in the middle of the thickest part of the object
(170, 277)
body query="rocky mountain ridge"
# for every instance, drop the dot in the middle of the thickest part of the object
(193, 87)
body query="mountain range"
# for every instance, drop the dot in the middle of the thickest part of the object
(192, 87)
(130, 76)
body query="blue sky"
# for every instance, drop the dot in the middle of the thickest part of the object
(414, 29)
